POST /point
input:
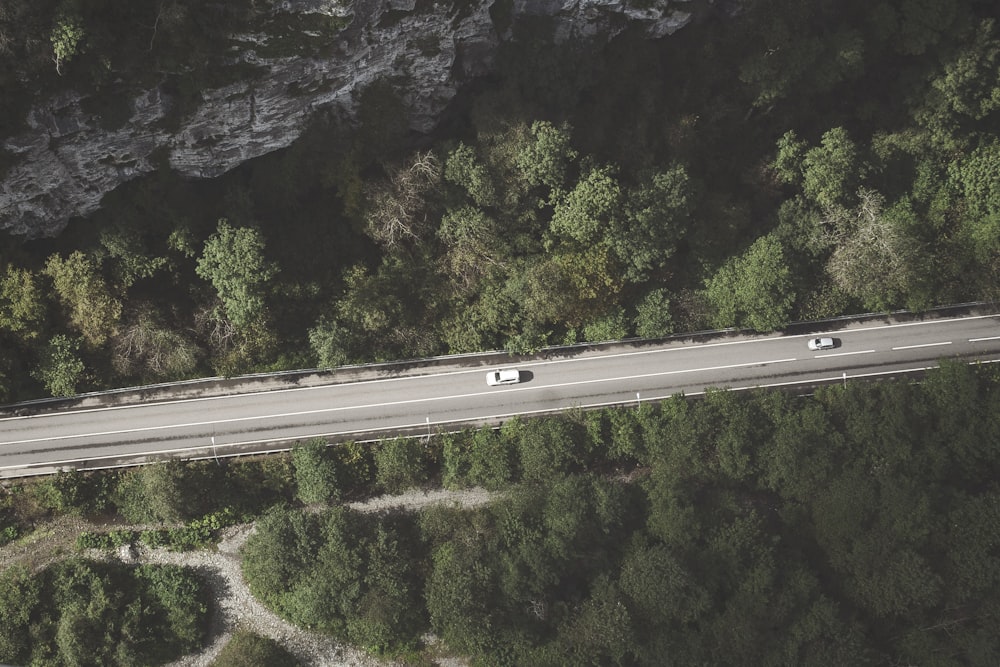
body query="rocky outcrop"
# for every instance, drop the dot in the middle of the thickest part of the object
(66, 162)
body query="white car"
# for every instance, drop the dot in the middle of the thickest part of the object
(503, 376)
(821, 344)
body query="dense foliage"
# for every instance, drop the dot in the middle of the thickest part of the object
(794, 161)
(855, 526)
(246, 649)
(80, 612)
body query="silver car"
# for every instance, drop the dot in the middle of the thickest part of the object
(821, 344)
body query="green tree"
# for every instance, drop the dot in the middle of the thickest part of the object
(20, 597)
(22, 302)
(400, 463)
(977, 178)
(60, 368)
(789, 161)
(652, 318)
(657, 214)
(612, 326)
(93, 310)
(66, 35)
(585, 211)
(464, 168)
(316, 475)
(968, 88)
(546, 159)
(233, 261)
(832, 171)
(754, 289)
(163, 491)
(124, 244)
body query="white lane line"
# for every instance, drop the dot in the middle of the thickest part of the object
(841, 354)
(912, 347)
(683, 347)
(976, 340)
(473, 420)
(383, 405)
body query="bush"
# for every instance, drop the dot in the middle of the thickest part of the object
(400, 464)
(84, 612)
(246, 649)
(315, 473)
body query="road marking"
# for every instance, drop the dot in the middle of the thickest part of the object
(841, 354)
(682, 347)
(485, 419)
(976, 340)
(912, 347)
(382, 405)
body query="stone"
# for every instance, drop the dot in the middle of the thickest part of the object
(65, 162)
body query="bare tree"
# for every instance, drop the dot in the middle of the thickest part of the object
(874, 259)
(397, 207)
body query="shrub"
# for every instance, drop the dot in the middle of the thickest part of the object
(400, 464)
(246, 649)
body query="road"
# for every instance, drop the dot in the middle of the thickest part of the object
(439, 399)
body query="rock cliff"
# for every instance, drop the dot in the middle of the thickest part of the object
(66, 161)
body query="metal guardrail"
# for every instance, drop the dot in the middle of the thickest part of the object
(427, 361)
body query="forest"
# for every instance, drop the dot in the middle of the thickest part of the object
(793, 162)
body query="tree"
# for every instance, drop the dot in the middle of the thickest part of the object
(611, 326)
(874, 259)
(147, 348)
(124, 243)
(475, 246)
(463, 168)
(22, 302)
(316, 475)
(160, 491)
(585, 211)
(977, 177)
(546, 159)
(832, 171)
(652, 318)
(398, 209)
(400, 464)
(60, 369)
(754, 289)
(66, 36)
(967, 90)
(233, 261)
(20, 596)
(93, 310)
(656, 216)
(547, 447)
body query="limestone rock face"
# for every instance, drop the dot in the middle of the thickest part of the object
(66, 162)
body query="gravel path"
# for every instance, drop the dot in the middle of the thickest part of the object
(235, 606)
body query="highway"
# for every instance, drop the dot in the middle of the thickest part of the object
(428, 399)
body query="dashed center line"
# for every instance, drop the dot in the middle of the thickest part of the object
(911, 347)
(976, 340)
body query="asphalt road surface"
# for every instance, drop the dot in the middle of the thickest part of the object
(428, 400)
